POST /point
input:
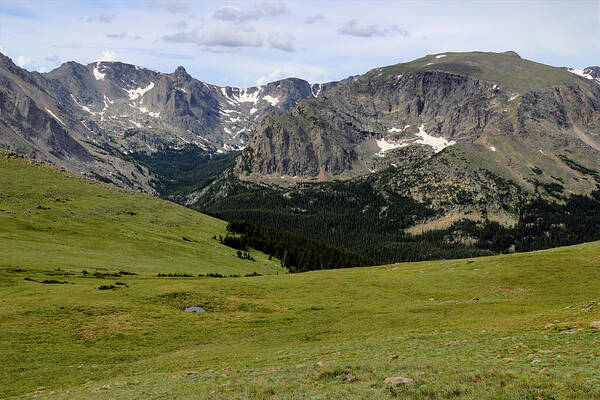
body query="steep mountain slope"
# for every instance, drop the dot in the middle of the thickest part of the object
(95, 119)
(511, 113)
(146, 110)
(54, 219)
(38, 119)
(417, 147)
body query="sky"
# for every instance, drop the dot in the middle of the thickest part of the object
(245, 43)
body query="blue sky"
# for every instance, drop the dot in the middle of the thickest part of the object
(242, 43)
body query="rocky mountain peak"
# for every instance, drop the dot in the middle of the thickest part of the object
(181, 73)
(593, 72)
(512, 53)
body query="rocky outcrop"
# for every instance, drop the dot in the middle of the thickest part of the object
(448, 128)
(90, 118)
(337, 133)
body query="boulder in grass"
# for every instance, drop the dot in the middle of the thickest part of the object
(595, 324)
(194, 309)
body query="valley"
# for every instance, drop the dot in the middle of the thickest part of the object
(396, 164)
(94, 280)
(428, 229)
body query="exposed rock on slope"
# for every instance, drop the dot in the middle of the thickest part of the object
(90, 118)
(439, 123)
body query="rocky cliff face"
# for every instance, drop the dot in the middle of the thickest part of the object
(452, 123)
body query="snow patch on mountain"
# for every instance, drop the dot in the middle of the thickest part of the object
(319, 87)
(107, 101)
(85, 108)
(97, 74)
(55, 117)
(437, 143)
(580, 72)
(86, 127)
(385, 145)
(139, 92)
(146, 111)
(272, 100)
(395, 130)
(585, 73)
(246, 97)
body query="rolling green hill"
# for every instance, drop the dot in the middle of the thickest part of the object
(54, 219)
(515, 326)
(511, 72)
(507, 327)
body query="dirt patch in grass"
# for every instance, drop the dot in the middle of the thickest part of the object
(103, 325)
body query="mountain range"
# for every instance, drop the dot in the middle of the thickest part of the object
(89, 118)
(408, 147)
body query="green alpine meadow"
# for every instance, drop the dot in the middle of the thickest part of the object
(299, 200)
(88, 310)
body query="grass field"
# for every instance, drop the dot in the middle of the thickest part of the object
(493, 67)
(53, 219)
(264, 337)
(518, 326)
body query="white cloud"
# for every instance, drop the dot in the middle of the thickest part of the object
(178, 7)
(273, 8)
(42, 69)
(356, 28)
(108, 55)
(103, 18)
(172, 6)
(282, 41)
(308, 72)
(311, 19)
(218, 37)
(23, 61)
(234, 13)
(399, 31)
(122, 36)
(268, 8)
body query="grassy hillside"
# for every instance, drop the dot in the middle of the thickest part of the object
(53, 219)
(505, 327)
(511, 72)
